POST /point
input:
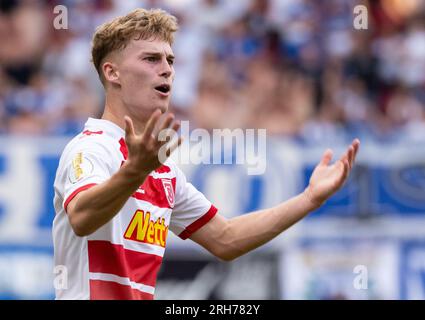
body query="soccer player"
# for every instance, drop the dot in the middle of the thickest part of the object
(115, 200)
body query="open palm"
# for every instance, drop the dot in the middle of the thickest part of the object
(328, 178)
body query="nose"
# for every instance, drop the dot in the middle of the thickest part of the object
(166, 69)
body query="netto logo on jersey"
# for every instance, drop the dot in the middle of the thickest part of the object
(143, 229)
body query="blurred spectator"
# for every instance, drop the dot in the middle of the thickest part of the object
(295, 67)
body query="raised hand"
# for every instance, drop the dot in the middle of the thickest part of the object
(143, 149)
(326, 179)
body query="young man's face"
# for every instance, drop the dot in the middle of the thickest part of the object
(146, 73)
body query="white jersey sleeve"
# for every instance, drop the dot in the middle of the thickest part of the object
(86, 164)
(191, 209)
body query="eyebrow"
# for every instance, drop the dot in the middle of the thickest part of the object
(169, 56)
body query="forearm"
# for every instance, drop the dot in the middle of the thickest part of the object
(96, 206)
(247, 232)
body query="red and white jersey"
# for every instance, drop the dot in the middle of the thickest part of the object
(121, 259)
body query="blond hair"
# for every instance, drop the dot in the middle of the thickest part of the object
(138, 24)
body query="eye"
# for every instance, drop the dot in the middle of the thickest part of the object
(151, 59)
(170, 62)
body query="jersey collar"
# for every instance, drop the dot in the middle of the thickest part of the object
(109, 127)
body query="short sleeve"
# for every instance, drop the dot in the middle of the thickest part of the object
(84, 168)
(191, 209)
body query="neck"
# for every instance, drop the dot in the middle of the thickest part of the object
(115, 111)
(112, 115)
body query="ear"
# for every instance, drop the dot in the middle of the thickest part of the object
(110, 72)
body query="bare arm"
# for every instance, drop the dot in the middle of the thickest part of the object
(94, 207)
(229, 239)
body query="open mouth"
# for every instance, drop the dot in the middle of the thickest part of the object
(164, 88)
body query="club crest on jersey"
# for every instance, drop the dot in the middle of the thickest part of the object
(169, 192)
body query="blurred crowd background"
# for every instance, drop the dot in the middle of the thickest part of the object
(296, 67)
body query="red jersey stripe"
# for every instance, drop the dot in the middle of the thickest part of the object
(123, 148)
(108, 290)
(72, 195)
(154, 192)
(163, 169)
(124, 152)
(139, 267)
(186, 233)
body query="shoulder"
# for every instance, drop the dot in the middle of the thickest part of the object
(97, 143)
(100, 148)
